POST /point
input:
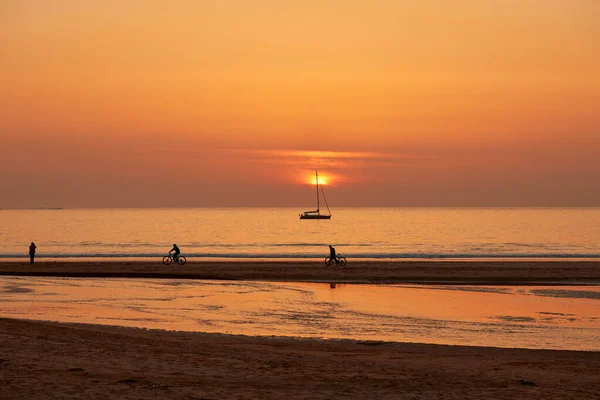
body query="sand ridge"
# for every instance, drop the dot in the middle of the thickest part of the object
(471, 272)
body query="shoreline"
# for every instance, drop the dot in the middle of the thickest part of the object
(410, 272)
(46, 360)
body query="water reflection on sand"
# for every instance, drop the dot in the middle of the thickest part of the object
(526, 317)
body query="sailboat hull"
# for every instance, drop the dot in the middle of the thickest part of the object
(316, 216)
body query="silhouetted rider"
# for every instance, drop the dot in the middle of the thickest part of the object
(332, 254)
(175, 250)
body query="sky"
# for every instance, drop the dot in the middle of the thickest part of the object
(149, 103)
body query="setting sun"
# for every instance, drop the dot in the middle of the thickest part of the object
(322, 181)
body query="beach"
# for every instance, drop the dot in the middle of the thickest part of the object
(45, 360)
(512, 272)
(42, 360)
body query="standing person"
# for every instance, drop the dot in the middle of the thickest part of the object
(175, 250)
(32, 248)
(333, 256)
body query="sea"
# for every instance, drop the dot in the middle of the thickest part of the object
(278, 233)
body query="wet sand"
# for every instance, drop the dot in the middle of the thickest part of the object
(42, 360)
(511, 272)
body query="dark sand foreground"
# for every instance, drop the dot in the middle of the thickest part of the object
(41, 360)
(472, 272)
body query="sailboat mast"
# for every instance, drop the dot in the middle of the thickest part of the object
(318, 205)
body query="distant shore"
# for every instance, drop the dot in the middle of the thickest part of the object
(42, 360)
(438, 272)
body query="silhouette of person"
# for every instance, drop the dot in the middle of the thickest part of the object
(175, 250)
(332, 255)
(32, 248)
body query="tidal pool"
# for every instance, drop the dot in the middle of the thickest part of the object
(539, 317)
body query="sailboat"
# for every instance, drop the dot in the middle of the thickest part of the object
(317, 213)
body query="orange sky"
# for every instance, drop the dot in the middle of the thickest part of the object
(233, 103)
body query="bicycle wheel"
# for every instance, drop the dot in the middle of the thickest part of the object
(328, 261)
(342, 261)
(167, 260)
(181, 260)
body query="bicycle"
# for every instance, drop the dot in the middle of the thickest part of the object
(167, 260)
(341, 261)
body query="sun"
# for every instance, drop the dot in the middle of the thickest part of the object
(325, 178)
(322, 181)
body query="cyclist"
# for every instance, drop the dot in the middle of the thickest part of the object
(175, 250)
(333, 256)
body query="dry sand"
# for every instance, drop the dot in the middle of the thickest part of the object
(472, 272)
(40, 360)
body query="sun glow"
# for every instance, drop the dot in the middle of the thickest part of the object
(322, 181)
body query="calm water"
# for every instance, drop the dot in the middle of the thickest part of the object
(278, 233)
(523, 317)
